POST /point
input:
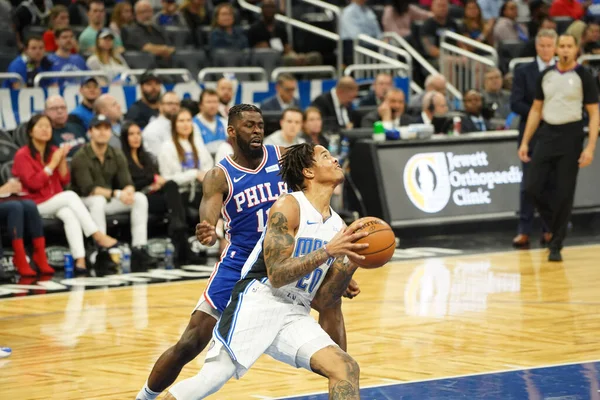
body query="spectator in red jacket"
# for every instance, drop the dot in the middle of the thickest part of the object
(43, 172)
(567, 8)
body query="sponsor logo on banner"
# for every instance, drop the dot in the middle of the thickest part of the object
(431, 180)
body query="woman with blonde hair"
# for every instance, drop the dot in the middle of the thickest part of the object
(122, 15)
(104, 57)
(185, 159)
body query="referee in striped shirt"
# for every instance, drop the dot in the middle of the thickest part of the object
(562, 92)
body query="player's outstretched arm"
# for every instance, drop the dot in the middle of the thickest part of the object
(279, 243)
(214, 189)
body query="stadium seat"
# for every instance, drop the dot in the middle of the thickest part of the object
(268, 59)
(179, 37)
(507, 50)
(20, 135)
(191, 59)
(139, 60)
(5, 172)
(7, 55)
(77, 30)
(5, 136)
(228, 58)
(562, 24)
(7, 151)
(33, 30)
(8, 40)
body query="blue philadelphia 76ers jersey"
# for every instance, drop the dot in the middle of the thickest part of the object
(251, 195)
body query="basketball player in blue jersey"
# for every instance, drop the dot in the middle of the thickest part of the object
(242, 188)
(305, 256)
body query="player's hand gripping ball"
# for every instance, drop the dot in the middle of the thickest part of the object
(382, 243)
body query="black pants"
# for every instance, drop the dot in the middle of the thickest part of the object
(169, 200)
(17, 214)
(556, 156)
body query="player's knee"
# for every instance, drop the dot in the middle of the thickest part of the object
(192, 342)
(342, 367)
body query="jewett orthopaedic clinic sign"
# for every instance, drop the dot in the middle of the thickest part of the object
(423, 182)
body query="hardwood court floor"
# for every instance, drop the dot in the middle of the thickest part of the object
(414, 320)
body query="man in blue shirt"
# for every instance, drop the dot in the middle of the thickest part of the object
(357, 18)
(83, 113)
(29, 64)
(62, 60)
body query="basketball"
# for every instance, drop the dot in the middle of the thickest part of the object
(381, 240)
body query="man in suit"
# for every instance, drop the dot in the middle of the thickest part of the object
(521, 99)
(473, 121)
(390, 112)
(336, 105)
(286, 87)
(383, 83)
(435, 112)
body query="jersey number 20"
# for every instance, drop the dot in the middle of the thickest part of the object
(309, 282)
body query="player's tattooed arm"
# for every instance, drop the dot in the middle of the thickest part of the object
(214, 189)
(279, 244)
(335, 283)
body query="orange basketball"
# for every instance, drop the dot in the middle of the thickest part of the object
(382, 243)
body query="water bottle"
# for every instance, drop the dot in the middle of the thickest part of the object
(169, 250)
(334, 145)
(456, 125)
(344, 151)
(69, 266)
(126, 260)
(378, 132)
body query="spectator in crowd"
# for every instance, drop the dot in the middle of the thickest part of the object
(337, 104)
(6, 24)
(538, 10)
(225, 93)
(434, 82)
(184, 159)
(390, 112)
(108, 106)
(490, 9)
(434, 104)
(196, 14)
(168, 15)
(426, 4)
(163, 195)
(521, 99)
(142, 111)
(493, 94)
(357, 18)
(312, 129)
(210, 127)
(144, 35)
(285, 89)
(101, 177)
(590, 40)
(29, 64)
(568, 8)
(507, 27)
(158, 131)
(105, 58)
(383, 83)
(473, 26)
(473, 121)
(122, 16)
(400, 14)
(43, 172)
(30, 12)
(530, 47)
(433, 27)
(291, 126)
(89, 36)
(63, 60)
(224, 34)
(83, 113)
(78, 12)
(268, 33)
(58, 19)
(63, 131)
(15, 213)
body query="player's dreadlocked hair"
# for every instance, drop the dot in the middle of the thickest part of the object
(298, 157)
(235, 112)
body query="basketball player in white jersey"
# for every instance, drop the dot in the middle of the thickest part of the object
(305, 251)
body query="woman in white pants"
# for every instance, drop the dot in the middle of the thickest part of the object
(43, 172)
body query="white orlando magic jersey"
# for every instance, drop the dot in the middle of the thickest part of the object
(312, 234)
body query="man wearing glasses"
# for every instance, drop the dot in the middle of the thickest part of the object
(63, 131)
(286, 88)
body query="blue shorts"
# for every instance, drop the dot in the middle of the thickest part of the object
(226, 274)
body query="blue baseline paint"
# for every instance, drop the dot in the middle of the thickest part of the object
(573, 382)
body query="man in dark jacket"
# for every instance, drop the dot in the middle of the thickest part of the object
(390, 112)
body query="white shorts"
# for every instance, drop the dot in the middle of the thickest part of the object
(258, 321)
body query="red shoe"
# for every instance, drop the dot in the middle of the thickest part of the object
(20, 259)
(39, 256)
